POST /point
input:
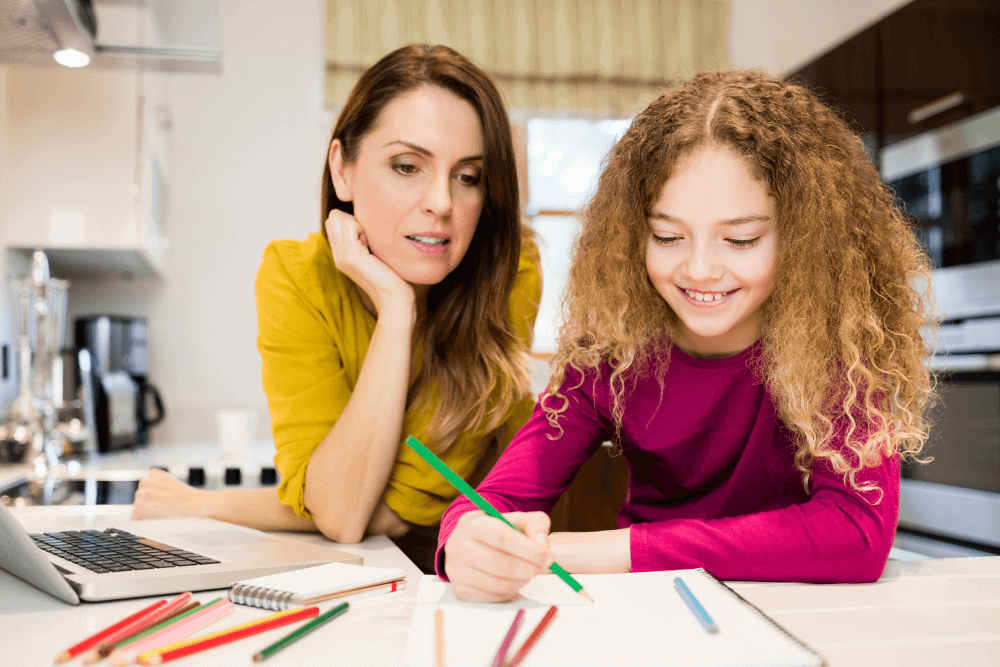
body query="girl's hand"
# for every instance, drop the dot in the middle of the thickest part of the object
(353, 258)
(488, 561)
(162, 496)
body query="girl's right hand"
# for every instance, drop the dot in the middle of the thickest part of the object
(353, 258)
(488, 561)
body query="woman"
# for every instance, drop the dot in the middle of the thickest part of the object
(743, 322)
(410, 314)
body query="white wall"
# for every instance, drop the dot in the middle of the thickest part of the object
(245, 168)
(783, 35)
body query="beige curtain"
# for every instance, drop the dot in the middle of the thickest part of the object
(594, 57)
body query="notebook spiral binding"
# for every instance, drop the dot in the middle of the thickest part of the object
(258, 596)
(756, 610)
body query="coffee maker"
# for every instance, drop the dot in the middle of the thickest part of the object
(118, 346)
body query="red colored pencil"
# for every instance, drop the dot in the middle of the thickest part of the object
(138, 625)
(532, 638)
(181, 649)
(508, 638)
(91, 641)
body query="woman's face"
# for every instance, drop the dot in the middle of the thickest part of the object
(416, 184)
(711, 251)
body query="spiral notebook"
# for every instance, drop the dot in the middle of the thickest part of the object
(310, 585)
(636, 619)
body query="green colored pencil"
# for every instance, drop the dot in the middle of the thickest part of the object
(173, 619)
(301, 632)
(483, 504)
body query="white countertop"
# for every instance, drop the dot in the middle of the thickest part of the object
(924, 612)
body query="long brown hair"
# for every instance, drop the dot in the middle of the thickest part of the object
(473, 364)
(841, 332)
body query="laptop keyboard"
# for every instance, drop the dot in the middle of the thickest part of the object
(115, 550)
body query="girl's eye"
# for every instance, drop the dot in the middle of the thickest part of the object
(404, 168)
(744, 243)
(665, 240)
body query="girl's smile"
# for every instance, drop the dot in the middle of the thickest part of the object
(711, 249)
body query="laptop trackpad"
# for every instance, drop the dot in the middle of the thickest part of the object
(222, 538)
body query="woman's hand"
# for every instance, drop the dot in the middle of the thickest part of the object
(385, 521)
(353, 258)
(162, 496)
(487, 561)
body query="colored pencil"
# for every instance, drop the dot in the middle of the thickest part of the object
(692, 602)
(533, 637)
(184, 612)
(508, 638)
(176, 631)
(140, 624)
(483, 504)
(295, 635)
(439, 637)
(189, 646)
(92, 641)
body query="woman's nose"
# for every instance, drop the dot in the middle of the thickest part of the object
(438, 198)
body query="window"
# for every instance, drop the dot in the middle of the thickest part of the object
(565, 158)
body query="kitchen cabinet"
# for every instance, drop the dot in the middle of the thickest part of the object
(87, 159)
(929, 64)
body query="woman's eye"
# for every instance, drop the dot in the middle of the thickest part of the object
(469, 179)
(404, 168)
(665, 240)
(744, 243)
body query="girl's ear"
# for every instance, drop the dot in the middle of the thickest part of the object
(341, 173)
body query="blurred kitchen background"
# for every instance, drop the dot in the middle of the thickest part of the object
(154, 176)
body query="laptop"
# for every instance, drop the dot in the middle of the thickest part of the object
(106, 558)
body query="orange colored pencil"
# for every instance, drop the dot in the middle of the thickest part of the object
(439, 637)
(189, 646)
(92, 641)
(532, 638)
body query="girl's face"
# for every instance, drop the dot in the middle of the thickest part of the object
(711, 250)
(416, 184)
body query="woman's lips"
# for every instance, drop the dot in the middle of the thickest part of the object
(431, 245)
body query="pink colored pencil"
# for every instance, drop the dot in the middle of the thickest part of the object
(138, 626)
(175, 632)
(508, 638)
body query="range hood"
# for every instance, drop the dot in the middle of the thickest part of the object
(32, 32)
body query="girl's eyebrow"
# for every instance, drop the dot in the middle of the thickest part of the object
(742, 220)
(424, 151)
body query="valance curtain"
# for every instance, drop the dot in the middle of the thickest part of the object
(594, 57)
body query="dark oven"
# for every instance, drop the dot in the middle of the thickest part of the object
(948, 181)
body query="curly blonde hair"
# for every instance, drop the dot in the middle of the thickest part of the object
(841, 330)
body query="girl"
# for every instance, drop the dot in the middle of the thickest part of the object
(741, 321)
(411, 313)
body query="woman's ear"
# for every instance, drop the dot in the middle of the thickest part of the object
(341, 172)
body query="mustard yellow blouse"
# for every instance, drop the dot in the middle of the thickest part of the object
(313, 332)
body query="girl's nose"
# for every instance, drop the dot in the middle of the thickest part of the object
(701, 263)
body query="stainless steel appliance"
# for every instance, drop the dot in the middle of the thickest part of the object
(948, 180)
(126, 405)
(37, 429)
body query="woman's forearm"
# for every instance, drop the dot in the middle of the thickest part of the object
(348, 472)
(254, 508)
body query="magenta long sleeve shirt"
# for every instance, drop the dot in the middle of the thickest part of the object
(712, 482)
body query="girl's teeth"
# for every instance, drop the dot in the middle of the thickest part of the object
(429, 240)
(705, 296)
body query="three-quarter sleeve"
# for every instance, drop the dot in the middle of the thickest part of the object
(304, 378)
